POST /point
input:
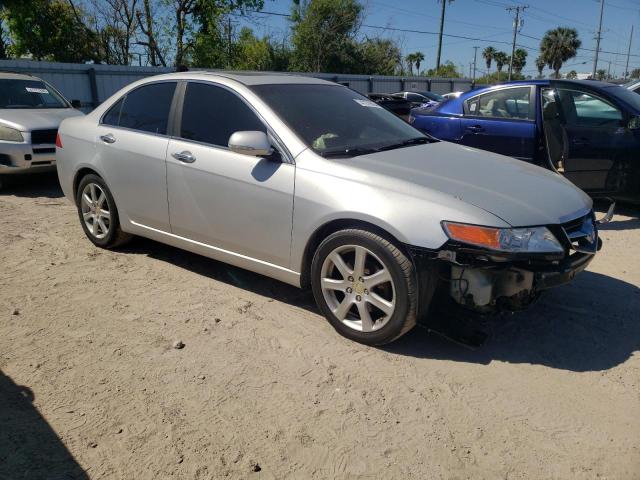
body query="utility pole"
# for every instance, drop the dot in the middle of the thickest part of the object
(626, 69)
(598, 35)
(516, 26)
(444, 7)
(609, 71)
(475, 54)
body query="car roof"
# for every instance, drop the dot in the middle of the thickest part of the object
(16, 76)
(595, 84)
(247, 78)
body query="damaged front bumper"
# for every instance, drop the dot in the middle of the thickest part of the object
(489, 282)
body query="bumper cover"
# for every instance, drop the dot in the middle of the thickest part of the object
(20, 157)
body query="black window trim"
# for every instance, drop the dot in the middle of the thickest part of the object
(588, 91)
(143, 132)
(176, 122)
(532, 109)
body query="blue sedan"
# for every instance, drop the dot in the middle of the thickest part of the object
(588, 131)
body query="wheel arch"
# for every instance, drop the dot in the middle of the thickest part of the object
(80, 174)
(334, 226)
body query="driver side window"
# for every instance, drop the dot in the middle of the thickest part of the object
(211, 114)
(586, 110)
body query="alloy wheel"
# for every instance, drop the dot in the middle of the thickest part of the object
(95, 210)
(358, 288)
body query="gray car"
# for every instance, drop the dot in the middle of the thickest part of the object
(30, 112)
(310, 183)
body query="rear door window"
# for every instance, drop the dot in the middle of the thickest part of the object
(211, 114)
(587, 110)
(145, 109)
(511, 103)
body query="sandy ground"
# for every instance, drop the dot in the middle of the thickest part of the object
(90, 386)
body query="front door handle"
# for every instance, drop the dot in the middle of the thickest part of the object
(108, 138)
(186, 157)
(475, 129)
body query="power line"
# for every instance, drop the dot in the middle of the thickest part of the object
(516, 26)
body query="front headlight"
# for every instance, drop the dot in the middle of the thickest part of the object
(10, 134)
(512, 240)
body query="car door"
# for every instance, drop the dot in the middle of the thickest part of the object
(239, 203)
(501, 121)
(596, 139)
(131, 146)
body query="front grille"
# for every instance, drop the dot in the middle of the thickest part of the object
(582, 233)
(44, 136)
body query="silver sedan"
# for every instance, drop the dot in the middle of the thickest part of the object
(312, 184)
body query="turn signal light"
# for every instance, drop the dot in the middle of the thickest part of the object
(475, 235)
(58, 141)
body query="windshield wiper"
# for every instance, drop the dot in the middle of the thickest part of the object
(408, 143)
(348, 152)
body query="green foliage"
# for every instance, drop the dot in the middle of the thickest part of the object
(572, 75)
(488, 55)
(540, 64)
(446, 70)
(417, 58)
(497, 77)
(601, 74)
(635, 73)
(323, 35)
(558, 46)
(376, 56)
(50, 30)
(519, 60)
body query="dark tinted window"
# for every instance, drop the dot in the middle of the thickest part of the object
(112, 117)
(29, 94)
(212, 114)
(147, 108)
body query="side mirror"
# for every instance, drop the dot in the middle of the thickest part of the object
(634, 123)
(250, 143)
(76, 103)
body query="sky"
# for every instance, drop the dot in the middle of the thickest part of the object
(490, 23)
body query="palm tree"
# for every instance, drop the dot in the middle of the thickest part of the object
(410, 58)
(601, 74)
(540, 64)
(418, 58)
(501, 58)
(488, 54)
(572, 75)
(558, 46)
(519, 60)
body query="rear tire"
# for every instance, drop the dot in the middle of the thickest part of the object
(365, 286)
(98, 213)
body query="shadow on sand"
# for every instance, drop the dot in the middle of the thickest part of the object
(29, 448)
(31, 185)
(588, 325)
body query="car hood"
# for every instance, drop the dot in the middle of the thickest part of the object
(517, 192)
(26, 119)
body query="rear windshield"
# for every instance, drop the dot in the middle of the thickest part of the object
(332, 117)
(29, 94)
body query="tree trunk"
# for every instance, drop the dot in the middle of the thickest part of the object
(3, 47)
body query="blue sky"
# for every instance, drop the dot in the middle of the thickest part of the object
(489, 21)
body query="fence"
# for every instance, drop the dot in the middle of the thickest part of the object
(92, 84)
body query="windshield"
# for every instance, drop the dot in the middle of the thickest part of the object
(332, 118)
(627, 96)
(432, 96)
(29, 94)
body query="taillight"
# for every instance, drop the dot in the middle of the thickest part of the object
(58, 141)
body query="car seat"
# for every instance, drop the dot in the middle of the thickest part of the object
(555, 135)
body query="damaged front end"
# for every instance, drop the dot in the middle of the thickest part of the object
(488, 270)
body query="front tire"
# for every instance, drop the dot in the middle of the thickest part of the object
(365, 286)
(98, 213)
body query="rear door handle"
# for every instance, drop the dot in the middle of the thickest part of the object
(108, 138)
(475, 128)
(186, 157)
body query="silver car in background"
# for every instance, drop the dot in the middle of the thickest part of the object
(312, 184)
(30, 112)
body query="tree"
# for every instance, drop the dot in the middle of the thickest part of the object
(3, 44)
(410, 59)
(501, 59)
(418, 59)
(572, 75)
(635, 73)
(51, 30)
(601, 74)
(446, 70)
(148, 29)
(519, 60)
(115, 26)
(540, 64)
(377, 56)
(488, 55)
(558, 46)
(323, 36)
(252, 53)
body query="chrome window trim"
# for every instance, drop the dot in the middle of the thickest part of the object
(465, 104)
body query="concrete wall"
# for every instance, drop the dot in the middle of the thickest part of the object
(92, 84)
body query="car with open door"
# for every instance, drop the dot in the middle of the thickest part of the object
(587, 131)
(313, 184)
